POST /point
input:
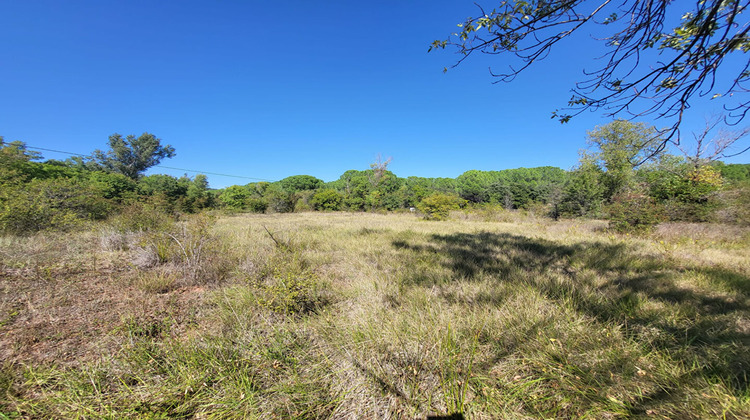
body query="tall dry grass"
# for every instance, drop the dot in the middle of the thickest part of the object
(341, 315)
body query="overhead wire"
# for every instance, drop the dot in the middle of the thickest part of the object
(157, 166)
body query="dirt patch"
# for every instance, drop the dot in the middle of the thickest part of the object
(69, 317)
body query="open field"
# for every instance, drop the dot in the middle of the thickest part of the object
(358, 315)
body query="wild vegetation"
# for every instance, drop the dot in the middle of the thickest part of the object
(618, 289)
(623, 176)
(494, 314)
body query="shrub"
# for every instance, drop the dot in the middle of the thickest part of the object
(291, 293)
(49, 204)
(139, 216)
(438, 206)
(111, 186)
(584, 192)
(735, 205)
(354, 203)
(327, 200)
(279, 201)
(191, 247)
(633, 211)
(234, 197)
(303, 200)
(257, 205)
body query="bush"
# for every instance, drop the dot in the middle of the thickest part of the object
(234, 197)
(438, 206)
(280, 201)
(584, 192)
(735, 205)
(303, 201)
(257, 205)
(141, 217)
(327, 200)
(112, 186)
(191, 248)
(50, 204)
(354, 203)
(633, 211)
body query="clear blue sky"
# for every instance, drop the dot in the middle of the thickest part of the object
(277, 88)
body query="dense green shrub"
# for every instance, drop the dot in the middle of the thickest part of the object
(112, 186)
(197, 196)
(257, 205)
(735, 172)
(50, 204)
(279, 200)
(169, 186)
(438, 206)
(687, 193)
(234, 197)
(327, 200)
(354, 203)
(583, 195)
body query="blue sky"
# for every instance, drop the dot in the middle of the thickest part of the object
(273, 89)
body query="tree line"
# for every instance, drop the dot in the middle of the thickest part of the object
(620, 177)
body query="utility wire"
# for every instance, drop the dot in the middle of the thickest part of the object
(157, 166)
(213, 173)
(56, 151)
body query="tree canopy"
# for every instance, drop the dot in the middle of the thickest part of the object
(132, 155)
(296, 183)
(646, 69)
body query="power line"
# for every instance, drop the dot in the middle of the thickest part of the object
(212, 173)
(158, 166)
(56, 151)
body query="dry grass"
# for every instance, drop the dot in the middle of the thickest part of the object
(339, 315)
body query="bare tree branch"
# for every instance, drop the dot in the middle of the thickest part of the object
(647, 70)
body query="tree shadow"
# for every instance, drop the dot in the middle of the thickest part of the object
(627, 285)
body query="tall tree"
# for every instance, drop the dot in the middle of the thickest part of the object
(132, 155)
(646, 69)
(621, 146)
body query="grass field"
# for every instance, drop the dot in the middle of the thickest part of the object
(353, 315)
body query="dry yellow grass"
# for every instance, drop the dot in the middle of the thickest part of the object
(353, 315)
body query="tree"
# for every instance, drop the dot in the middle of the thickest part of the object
(166, 185)
(133, 155)
(709, 149)
(645, 70)
(234, 197)
(296, 183)
(197, 196)
(15, 162)
(620, 147)
(379, 169)
(583, 192)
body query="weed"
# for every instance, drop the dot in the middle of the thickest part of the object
(156, 281)
(456, 370)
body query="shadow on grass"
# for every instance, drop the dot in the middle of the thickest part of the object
(613, 283)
